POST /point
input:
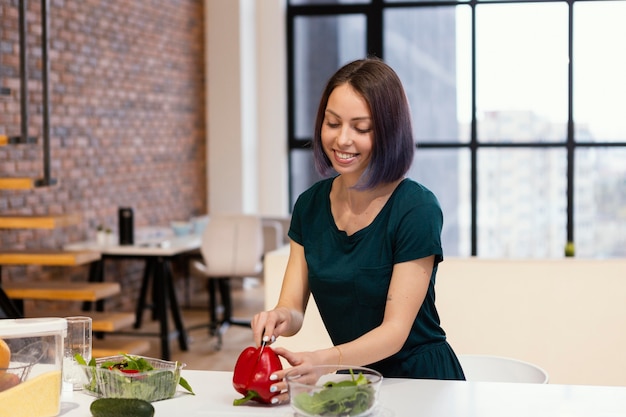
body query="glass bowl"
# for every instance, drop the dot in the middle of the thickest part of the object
(17, 372)
(332, 391)
(157, 384)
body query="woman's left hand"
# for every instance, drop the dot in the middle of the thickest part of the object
(301, 363)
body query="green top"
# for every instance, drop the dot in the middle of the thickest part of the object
(349, 276)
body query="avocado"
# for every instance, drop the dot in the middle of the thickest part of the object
(121, 407)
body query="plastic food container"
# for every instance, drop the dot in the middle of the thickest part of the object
(157, 384)
(31, 364)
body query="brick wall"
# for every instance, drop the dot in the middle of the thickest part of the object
(127, 120)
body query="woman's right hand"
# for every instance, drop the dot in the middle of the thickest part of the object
(270, 324)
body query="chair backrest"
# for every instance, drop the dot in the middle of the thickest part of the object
(501, 369)
(272, 234)
(232, 245)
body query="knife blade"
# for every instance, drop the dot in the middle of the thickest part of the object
(264, 341)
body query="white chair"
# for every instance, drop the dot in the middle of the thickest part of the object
(501, 369)
(232, 247)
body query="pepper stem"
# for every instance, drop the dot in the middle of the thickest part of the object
(250, 395)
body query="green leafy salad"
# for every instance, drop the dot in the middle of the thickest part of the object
(132, 377)
(345, 398)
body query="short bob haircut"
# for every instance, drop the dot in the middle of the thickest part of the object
(393, 144)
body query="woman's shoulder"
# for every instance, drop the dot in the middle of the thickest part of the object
(319, 189)
(414, 192)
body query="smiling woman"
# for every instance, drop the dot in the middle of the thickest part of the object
(365, 242)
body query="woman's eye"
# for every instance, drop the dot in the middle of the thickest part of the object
(363, 129)
(332, 125)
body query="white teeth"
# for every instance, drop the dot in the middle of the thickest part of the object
(345, 155)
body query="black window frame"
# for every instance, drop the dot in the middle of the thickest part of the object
(373, 12)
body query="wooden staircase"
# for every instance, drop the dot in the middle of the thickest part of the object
(12, 294)
(63, 291)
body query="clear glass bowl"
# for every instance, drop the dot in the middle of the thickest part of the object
(17, 372)
(157, 384)
(334, 391)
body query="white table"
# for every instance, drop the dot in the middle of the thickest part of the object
(398, 398)
(157, 252)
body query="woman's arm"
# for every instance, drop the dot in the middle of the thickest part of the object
(407, 290)
(287, 316)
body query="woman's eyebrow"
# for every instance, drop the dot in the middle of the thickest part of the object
(353, 119)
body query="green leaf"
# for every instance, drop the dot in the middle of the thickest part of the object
(183, 383)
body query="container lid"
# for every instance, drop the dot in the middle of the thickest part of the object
(31, 326)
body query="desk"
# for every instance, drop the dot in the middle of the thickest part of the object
(157, 253)
(398, 398)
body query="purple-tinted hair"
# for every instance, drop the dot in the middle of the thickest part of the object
(393, 145)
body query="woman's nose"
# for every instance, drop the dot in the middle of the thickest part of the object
(343, 136)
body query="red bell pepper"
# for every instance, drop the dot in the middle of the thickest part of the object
(251, 376)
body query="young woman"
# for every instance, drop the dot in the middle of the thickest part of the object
(365, 241)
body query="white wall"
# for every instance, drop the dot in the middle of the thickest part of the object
(567, 316)
(246, 107)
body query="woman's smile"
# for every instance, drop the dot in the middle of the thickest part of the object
(344, 157)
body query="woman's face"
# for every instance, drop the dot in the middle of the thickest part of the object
(347, 134)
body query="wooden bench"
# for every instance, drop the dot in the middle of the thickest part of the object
(111, 346)
(101, 321)
(18, 183)
(47, 257)
(106, 322)
(55, 290)
(37, 222)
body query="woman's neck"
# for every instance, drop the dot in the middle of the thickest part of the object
(354, 209)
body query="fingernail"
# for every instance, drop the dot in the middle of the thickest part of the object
(273, 339)
(273, 377)
(273, 388)
(274, 400)
(266, 338)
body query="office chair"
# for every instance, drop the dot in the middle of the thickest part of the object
(232, 247)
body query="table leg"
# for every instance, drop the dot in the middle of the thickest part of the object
(96, 274)
(176, 315)
(159, 294)
(143, 292)
(8, 309)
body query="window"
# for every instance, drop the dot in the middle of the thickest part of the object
(516, 109)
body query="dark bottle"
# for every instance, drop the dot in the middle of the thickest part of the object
(126, 224)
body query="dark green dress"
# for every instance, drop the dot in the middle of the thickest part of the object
(349, 275)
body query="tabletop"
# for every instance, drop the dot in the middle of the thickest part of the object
(398, 398)
(162, 246)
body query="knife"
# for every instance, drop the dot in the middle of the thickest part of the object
(265, 341)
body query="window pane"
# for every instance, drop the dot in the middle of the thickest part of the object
(310, 2)
(302, 172)
(446, 173)
(421, 45)
(600, 202)
(599, 68)
(522, 203)
(424, 1)
(522, 72)
(322, 45)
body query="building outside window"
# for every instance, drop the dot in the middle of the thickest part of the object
(517, 111)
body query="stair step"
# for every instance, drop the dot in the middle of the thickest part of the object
(37, 222)
(101, 321)
(18, 183)
(47, 257)
(54, 290)
(16, 140)
(113, 345)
